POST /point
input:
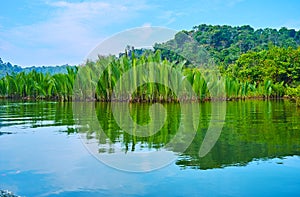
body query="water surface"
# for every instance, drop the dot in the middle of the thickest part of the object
(43, 151)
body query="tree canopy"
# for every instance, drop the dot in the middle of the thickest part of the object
(226, 43)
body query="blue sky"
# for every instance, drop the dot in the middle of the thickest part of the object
(55, 32)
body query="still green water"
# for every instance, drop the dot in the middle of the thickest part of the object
(47, 149)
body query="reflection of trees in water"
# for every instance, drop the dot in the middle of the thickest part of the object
(253, 130)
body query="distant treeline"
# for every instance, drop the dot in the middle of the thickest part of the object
(8, 68)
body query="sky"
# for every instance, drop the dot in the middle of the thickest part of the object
(57, 32)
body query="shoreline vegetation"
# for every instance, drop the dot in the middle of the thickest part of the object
(59, 87)
(247, 64)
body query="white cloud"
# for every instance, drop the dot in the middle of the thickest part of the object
(93, 10)
(74, 28)
(71, 31)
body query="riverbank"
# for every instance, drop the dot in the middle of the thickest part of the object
(40, 99)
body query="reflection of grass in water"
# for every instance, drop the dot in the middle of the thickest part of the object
(140, 114)
(36, 114)
(253, 130)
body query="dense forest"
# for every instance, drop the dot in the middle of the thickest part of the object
(225, 43)
(262, 63)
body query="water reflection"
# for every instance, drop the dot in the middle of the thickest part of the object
(253, 130)
(35, 114)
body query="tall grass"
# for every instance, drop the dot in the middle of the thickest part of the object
(34, 85)
(97, 80)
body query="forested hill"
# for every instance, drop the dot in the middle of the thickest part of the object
(8, 68)
(226, 43)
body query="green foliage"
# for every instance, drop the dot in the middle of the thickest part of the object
(276, 64)
(205, 83)
(293, 92)
(35, 85)
(225, 43)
